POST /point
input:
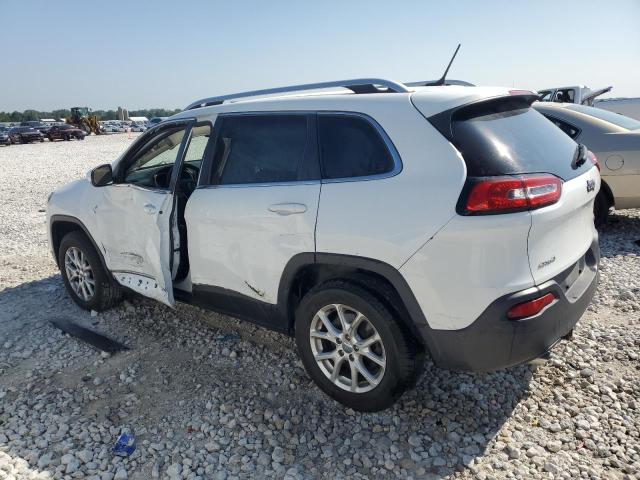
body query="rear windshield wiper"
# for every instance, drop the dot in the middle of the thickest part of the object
(580, 157)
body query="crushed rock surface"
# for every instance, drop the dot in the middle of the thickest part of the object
(209, 396)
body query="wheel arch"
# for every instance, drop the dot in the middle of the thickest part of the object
(604, 186)
(60, 225)
(305, 271)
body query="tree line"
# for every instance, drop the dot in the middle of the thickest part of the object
(30, 115)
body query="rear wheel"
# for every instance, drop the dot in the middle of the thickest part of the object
(353, 347)
(86, 280)
(601, 208)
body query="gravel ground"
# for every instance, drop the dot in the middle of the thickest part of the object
(212, 397)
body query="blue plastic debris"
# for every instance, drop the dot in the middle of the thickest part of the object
(126, 443)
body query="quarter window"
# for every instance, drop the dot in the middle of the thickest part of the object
(350, 146)
(261, 149)
(564, 126)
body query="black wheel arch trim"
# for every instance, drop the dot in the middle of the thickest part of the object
(416, 320)
(69, 219)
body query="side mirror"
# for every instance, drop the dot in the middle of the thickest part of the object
(102, 175)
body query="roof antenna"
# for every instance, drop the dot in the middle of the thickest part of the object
(441, 80)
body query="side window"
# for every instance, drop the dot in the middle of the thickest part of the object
(565, 127)
(350, 146)
(545, 95)
(151, 166)
(260, 149)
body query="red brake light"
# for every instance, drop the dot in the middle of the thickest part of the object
(591, 156)
(530, 308)
(509, 194)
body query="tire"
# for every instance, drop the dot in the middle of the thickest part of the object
(80, 137)
(106, 292)
(601, 207)
(403, 359)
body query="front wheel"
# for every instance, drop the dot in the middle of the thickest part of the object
(354, 347)
(88, 283)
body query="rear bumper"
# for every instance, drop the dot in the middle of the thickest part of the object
(493, 341)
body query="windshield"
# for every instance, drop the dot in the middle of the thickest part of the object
(607, 116)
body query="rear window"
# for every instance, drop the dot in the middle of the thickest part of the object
(513, 142)
(350, 146)
(607, 116)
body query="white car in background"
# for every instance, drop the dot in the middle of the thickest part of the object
(136, 127)
(375, 222)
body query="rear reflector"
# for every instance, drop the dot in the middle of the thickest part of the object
(512, 194)
(530, 308)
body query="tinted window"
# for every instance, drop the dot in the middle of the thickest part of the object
(261, 149)
(514, 141)
(350, 146)
(564, 126)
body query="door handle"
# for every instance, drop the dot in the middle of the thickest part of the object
(288, 208)
(150, 209)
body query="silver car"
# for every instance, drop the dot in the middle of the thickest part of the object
(615, 140)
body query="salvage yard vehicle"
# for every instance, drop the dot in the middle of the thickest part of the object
(615, 140)
(5, 139)
(25, 135)
(373, 221)
(65, 132)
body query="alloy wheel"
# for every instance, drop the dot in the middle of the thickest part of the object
(347, 348)
(79, 273)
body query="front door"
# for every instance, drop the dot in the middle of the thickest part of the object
(136, 217)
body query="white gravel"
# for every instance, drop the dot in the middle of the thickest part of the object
(211, 397)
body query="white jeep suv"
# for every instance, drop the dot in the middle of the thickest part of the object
(373, 221)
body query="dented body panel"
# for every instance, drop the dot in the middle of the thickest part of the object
(133, 243)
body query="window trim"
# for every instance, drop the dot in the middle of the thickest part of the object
(391, 148)
(577, 129)
(207, 179)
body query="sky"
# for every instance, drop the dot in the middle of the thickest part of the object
(146, 54)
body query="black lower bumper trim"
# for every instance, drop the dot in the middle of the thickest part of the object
(493, 341)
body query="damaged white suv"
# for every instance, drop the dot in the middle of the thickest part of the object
(374, 221)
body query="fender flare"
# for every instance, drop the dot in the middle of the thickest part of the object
(416, 318)
(69, 219)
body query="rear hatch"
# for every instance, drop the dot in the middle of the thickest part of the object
(503, 140)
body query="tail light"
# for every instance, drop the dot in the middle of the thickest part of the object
(530, 308)
(512, 194)
(592, 157)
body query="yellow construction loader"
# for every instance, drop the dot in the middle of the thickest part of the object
(81, 118)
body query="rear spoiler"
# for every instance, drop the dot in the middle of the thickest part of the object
(443, 121)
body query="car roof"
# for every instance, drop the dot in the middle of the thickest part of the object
(434, 99)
